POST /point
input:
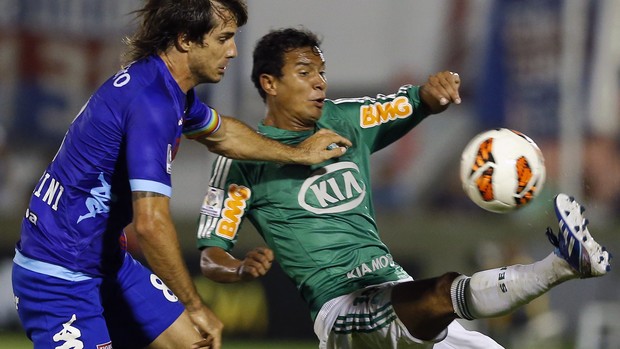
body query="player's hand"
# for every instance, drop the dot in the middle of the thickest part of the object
(321, 146)
(256, 263)
(209, 326)
(441, 90)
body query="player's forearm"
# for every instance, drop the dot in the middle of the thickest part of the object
(238, 141)
(163, 255)
(159, 243)
(218, 265)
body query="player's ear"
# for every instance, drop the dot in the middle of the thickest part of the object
(182, 42)
(269, 84)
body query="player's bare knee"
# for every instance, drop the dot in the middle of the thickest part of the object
(442, 292)
(444, 283)
(448, 278)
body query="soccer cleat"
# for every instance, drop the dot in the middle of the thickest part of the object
(574, 242)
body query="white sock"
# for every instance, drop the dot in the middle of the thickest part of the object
(499, 291)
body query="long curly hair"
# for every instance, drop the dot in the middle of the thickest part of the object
(162, 21)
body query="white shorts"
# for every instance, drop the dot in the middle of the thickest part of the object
(365, 319)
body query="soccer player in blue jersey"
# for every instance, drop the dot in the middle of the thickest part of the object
(318, 221)
(74, 283)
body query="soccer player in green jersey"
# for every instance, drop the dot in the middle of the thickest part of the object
(319, 223)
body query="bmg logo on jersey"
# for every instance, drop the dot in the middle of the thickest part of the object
(332, 189)
(234, 206)
(380, 113)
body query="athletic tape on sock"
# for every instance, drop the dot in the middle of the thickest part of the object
(459, 287)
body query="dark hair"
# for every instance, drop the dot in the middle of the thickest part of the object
(270, 49)
(163, 20)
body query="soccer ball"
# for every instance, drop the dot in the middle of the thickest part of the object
(502, 170)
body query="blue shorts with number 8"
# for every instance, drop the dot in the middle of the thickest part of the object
(128, 310)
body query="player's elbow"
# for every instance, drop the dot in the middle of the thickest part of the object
(222, 146)
(145, 227)
(215, 273)
(213, 269)
(207, 271)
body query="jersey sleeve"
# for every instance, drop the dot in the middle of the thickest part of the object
(150, 137)
(226, 202)
(200, 119)
(383, 119)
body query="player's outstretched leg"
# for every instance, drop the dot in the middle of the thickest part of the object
(498, 291)
(574, 242)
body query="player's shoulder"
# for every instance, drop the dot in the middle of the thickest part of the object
(404, 90)
(340, 112)
(142, 78)
(225, 165)
(340, 106)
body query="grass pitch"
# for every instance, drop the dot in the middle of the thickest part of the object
(19, 341)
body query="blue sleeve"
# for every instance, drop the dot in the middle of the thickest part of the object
(152, 136)
(200, 120)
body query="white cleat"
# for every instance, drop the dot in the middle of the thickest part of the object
(574, 242)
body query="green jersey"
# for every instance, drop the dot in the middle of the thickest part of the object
(319, 220)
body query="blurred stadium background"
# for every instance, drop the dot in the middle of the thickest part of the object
(548, 68)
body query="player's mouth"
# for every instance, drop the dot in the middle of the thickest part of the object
(318, 102)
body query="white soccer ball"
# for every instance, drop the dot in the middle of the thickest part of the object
(502, 170)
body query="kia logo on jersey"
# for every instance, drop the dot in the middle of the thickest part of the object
(332, 189)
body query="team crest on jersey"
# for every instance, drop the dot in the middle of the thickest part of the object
(171, 154)
(334, 188)
(212, 204)
(379, 113)
(169, 159)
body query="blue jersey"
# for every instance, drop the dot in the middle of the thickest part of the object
(124, 139)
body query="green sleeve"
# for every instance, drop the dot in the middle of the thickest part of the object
(383, 119)
(223, 209)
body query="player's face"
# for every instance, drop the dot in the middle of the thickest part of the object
(302, 87)
(208, 61)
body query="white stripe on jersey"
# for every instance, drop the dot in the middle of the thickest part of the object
(218, 163)
(222, 167)
(207, 223)
(202, 231)
(403, 89)
(206, 226)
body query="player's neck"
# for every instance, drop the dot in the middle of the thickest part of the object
(178, 69)
(285, 123)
